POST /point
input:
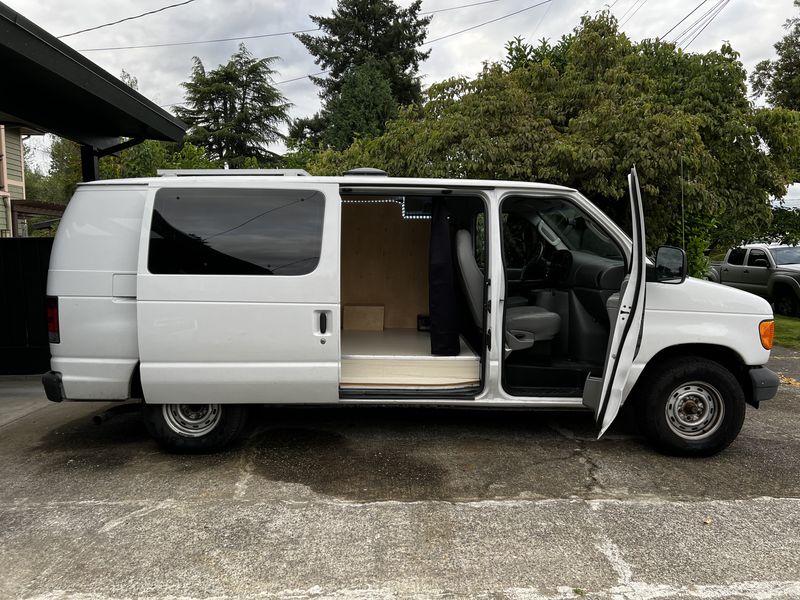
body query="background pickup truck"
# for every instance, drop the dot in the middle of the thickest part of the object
(770, 271)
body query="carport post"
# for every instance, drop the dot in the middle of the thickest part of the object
(90, 163)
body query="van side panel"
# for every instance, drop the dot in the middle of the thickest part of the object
(93, 274)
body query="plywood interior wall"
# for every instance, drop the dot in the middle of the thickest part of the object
(385, 261)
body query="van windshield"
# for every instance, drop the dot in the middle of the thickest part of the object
(577, 232)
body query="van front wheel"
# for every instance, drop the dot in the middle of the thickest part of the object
(194, 428)
(691, 407)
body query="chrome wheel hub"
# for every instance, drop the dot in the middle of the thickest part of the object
(694, 410)
(192, 420)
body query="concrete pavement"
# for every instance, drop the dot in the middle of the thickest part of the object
(395, 503)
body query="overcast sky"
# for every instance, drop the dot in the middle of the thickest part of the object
(751, 26)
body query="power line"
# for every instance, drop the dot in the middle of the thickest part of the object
(683, 36)
(441, 10)
(716, 14)
(691, 29)
(635, 2)
(455, 33)
(260, 35)
(541, 20)
(633, 14)
(193, 42)
(139, 16)
(683, 19)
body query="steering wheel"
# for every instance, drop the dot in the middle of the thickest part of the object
(536, 257)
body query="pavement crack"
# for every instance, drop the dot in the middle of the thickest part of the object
(593, 483)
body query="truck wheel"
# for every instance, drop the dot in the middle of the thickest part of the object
(194, 428)
(786, 304)
(692, 406)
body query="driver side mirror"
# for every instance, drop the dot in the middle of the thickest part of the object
(760, 262)
(670, 265)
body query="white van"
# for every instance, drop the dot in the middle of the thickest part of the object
(203, 292)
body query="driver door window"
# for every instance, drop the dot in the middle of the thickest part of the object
(518, 246)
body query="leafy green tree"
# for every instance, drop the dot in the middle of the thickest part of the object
(142, 160)
(784, 227)
(65, 170)
(360, 31)
(145, 159)
(582, 112)
(779, 80)
(235, 111)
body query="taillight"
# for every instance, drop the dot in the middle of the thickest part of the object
(53, 331)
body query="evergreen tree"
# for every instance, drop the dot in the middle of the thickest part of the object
(234, 111)
(360, 31)
(779, 80)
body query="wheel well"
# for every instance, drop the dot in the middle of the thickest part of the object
(135, 389)
(780, 287)
(720, 354)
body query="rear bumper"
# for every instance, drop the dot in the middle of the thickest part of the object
(53, 386)
(764, 384)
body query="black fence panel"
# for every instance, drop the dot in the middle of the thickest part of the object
(23, 319)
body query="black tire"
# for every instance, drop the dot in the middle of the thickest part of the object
(687, 388)
(216, 426)
(786, 303)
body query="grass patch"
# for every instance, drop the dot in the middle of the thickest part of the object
(787, 332)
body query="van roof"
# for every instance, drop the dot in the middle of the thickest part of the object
(356, 180)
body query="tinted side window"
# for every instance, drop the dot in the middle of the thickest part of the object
(736, 257)
(754, 255)
(236, 232)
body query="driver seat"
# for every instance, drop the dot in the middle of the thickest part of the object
(524, 324)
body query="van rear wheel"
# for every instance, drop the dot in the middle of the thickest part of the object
(691, 406)
(194, 428)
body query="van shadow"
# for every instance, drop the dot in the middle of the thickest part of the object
(407, 454)
(108, 444)
(369, 453)
(355, 453)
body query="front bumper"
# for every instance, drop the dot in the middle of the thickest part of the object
(764, 385)
(53, 386)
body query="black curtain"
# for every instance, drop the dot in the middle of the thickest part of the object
(442, 285)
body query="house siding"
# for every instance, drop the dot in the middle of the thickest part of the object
(3, 215)
(13, 155)
(16, 191)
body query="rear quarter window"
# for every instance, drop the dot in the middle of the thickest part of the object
(236, 231)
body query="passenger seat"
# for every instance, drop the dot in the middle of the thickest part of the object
(524, 324)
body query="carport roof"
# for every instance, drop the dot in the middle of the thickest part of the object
(51, 87)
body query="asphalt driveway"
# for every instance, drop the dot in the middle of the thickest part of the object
(393, 503)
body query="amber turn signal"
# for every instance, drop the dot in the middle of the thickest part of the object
(766, 330)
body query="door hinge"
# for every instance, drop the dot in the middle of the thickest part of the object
(489, 339)
(489, 306)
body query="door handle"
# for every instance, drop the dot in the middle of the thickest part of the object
(747, 270)
(323, 322)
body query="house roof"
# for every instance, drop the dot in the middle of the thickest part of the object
(48, 86)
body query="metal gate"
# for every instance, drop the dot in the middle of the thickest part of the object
(23, 326)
